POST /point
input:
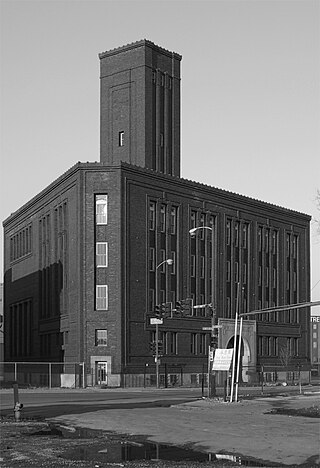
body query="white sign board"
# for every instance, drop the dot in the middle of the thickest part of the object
(155, 321)
(222, 359)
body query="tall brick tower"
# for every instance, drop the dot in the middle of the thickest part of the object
(140, 107)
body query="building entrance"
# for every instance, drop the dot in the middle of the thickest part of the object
(101, 373)
(248, 361)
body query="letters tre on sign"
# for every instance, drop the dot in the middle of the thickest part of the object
(315, 318)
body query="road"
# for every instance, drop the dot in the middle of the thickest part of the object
(179, 417)
(51, 403)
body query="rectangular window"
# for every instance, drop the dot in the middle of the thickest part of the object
(266, 282)
(260, 239)
(202, 343)
(228, 270)
(173, 220)
(163, 218)
(152, 259)
(173, 342)
(101, 338)
(236, 235)
(288, 244)
(193, 266)
(274, 242)
(102, 209)
(274, 278)
(102, 254)
(228, 232)
(294, 246)
(266, 245)
(193, 218)
(173, 266)
(202, 223)
(236, 272)
(245, 230)
(260, 276)
(163, 260)
(121, 138)
(151, 300)
(152, 216)
(193, 343)
(202, 267)
(244, 275)
(102, 297)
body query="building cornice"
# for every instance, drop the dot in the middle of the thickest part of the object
(137, 44)
(98, 166)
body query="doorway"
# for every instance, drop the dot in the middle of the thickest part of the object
(244, 357)
(101, 373)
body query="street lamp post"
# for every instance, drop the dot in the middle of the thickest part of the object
(214, 329)
(169, 261)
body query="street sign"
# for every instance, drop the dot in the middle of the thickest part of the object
(210, 328)
(156, 321)
(222, 359)
(210, 356)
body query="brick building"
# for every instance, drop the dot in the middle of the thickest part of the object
(315, 343)
(82, 258)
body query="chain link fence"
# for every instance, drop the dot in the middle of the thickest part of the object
(43, 374)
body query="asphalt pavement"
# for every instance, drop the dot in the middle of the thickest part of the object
(168, 416)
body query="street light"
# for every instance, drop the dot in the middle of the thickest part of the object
(214, 329)
(169, 261)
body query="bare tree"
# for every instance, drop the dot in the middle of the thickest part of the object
(285, 357)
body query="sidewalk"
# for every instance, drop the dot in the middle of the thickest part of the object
(243, 428)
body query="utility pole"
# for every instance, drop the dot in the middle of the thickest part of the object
(169, 261)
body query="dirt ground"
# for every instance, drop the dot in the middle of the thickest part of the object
(40, 444)
(56, 444)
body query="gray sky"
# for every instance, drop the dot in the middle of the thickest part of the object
(250, 93)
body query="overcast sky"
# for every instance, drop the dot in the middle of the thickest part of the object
(250, 93)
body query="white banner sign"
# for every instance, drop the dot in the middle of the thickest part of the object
(222, 359)
(156, 321)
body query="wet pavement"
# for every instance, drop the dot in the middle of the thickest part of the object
(31, 443)
(199, 433)
(245, 429)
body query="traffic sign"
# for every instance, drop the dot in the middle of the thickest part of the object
(156, 321)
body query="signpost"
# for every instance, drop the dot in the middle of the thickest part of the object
(211, 353)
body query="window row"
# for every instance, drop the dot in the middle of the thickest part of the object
(267, 240)
(21, 243)
(269, 346)
(202, 220)
(163, 258)
(237, 233)
(163, 220)
(162, 79)
(199, 342)
(236, 272)
(292, 245)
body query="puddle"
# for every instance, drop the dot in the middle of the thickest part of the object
(104, 447)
